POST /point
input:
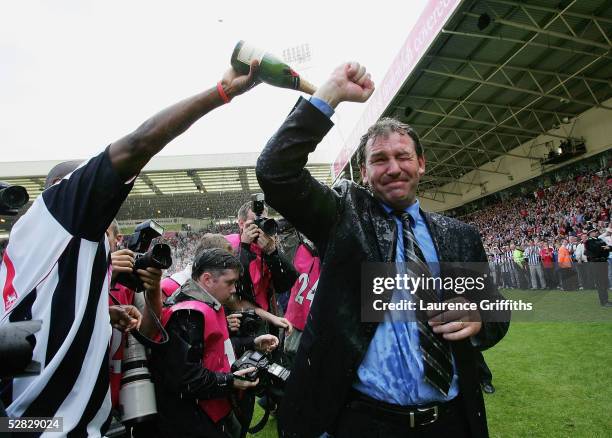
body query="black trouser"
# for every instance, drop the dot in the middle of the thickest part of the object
(522, 277)
(549, 277)
(599, 273)
(367, 422)
(568, 279)
(507, 279)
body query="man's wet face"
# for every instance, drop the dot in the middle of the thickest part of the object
(393, 169)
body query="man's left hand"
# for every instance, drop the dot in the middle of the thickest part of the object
(455, 325)
(266, 343)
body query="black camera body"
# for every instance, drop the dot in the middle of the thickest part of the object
(249, 322)
(268, 372)
(159, 256)
(267, 225)
(12, 198)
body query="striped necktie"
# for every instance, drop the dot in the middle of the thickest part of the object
(437, 361)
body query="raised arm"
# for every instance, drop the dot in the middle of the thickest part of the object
(131, 153)
(289, 187)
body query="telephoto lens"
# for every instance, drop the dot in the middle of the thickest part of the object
(137, 395)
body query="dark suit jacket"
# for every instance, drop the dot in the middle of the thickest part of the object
(349, 227)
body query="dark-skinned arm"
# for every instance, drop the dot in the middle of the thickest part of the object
(131, 153)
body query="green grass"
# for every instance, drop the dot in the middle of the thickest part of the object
(552, 379)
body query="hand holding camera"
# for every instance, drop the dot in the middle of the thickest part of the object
(244, 378)
(266, 243)
(122, 261)
(233, 322)
(250, 233)
(244, 322)
(255, 365)
(253, 234)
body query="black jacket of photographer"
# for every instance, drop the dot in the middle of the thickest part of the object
(179, 375)
(350, 227)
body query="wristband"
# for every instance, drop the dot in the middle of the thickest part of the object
(221, 91)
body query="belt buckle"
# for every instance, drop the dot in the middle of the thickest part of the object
(435, 415)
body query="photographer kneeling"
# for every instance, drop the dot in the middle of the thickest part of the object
(192, 371)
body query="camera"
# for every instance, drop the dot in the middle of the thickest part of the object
(137, 394)
(12, 198)
(159, 256)
(269, 373)
(267, 225)
(249, 322)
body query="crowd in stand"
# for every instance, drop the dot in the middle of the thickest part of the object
(539, 241)
(184, 243)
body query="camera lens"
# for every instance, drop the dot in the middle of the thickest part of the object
(161, 255)
(14, 196)
(270, 227)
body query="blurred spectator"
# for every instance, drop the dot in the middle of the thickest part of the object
(548, 264)
(536, 271)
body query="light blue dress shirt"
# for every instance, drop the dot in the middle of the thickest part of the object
(392, 369)
(322, 106)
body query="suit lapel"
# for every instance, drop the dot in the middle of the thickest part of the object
(384, 229)
(436, 234)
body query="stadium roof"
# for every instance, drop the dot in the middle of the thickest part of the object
(478, 78)
(196, 186)
(169, 175)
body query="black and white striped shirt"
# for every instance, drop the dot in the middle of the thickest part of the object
(55, 269)
(533, 255)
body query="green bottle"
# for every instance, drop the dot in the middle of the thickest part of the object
(272, 70)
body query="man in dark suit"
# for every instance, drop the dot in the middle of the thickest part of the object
(363, 379)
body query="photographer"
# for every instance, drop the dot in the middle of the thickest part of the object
(122, 260)
(308, 264)
(265, 269)
(192, 371)
(55, 268)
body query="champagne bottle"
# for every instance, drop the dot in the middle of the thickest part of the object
(272, 70)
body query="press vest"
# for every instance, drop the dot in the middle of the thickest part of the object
(303, 291)
(217, 348)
